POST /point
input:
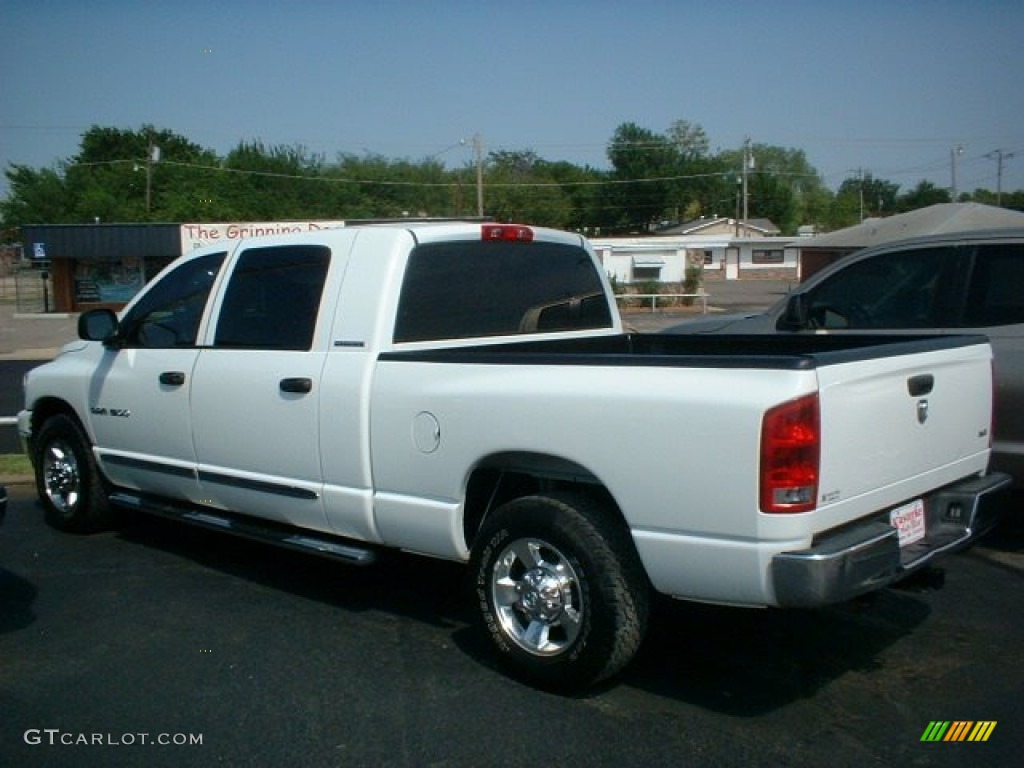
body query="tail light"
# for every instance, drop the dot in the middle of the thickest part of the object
(791, 456)
(995, 396)
(506, 232)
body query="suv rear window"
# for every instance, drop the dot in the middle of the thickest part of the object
(476, 288)
(996, 296)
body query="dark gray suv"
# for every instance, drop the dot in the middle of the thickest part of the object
(955, 283)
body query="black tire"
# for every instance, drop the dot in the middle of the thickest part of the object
(67, 479)
(560, 590)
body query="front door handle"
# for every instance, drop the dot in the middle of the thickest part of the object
(172, 378)
(299, 386)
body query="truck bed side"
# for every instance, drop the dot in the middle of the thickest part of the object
(680, 455)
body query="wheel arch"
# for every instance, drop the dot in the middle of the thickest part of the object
(46, 408)
(502, 477)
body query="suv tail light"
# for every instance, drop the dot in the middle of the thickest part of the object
(790, 456)
(995, 396)
(514, 232)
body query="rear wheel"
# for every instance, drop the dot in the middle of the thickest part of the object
(560, 589)
(67, 479)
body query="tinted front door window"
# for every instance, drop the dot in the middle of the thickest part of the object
(902, 289)
(168, 314)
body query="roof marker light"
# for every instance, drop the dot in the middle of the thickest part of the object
(507, 232)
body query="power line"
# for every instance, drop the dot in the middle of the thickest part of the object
(443, 184)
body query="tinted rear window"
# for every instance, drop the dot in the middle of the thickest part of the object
(474, 288)
(273, 298)
(997, 287)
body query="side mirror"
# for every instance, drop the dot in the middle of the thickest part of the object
(97, 325)
(794, 316)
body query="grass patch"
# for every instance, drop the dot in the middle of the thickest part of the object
(15, 464)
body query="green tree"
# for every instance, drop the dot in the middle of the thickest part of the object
(35, 197)
(582, 190)
(773, 198)
(921, 196)
(383, 188)
(640, 189)
(703, 184)
(689, 139)
(275, 182)
(653, 177)
(860, 197)
(782, 186)
(135, 175)
(521, 188)
(1012, 200)
(844, 211)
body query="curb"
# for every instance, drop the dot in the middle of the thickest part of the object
(10, 480)
(42, 355)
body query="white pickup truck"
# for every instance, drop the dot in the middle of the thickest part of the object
(466, 391)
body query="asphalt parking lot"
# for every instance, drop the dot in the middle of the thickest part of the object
(238, 654)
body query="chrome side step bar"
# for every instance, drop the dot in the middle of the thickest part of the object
(352, 553)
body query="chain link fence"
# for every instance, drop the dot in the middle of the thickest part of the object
(9, 256)
(32, 289)
(26, 284)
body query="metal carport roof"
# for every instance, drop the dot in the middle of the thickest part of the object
(940, 219)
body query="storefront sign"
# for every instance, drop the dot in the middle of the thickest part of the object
(197, 235)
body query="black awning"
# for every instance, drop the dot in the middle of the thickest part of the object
(101, 242)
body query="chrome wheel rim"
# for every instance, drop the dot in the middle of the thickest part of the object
(537, 598)
(61, 478)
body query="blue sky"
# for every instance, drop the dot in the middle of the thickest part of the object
(887, 87)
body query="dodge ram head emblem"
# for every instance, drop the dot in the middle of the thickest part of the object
(922, 411)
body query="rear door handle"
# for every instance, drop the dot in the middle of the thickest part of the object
(921, 385)
(172, 378)
(300, 386)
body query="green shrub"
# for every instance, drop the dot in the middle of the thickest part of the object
(691, 282)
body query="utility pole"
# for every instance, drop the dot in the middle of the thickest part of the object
(478, 152)
(954, 153)
(748, 163)
(860, 190)
(739, 182)
(152, 156)
(999, 157)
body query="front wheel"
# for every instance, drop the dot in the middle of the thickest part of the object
(560, 589)
(67, 479)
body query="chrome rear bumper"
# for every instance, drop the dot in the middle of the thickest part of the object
(867, 556)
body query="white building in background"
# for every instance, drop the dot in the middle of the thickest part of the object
(723, 248)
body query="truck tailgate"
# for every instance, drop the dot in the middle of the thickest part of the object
(896, 426)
